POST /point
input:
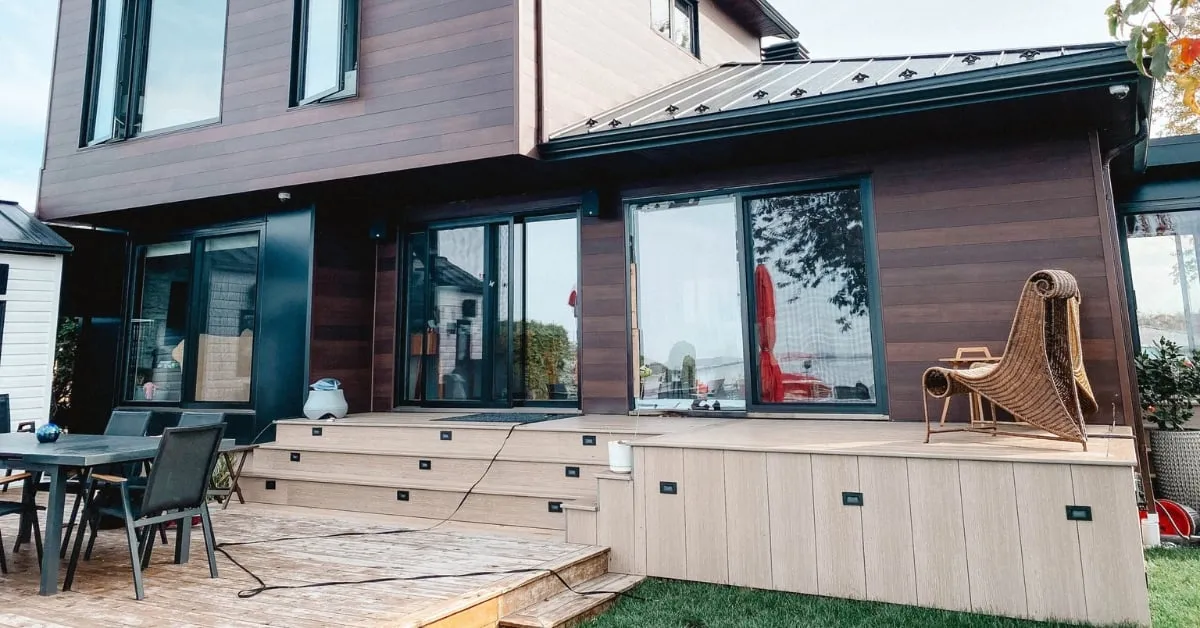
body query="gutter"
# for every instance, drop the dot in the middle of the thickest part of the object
(1097, 70)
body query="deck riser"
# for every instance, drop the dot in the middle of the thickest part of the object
(503, 475)
(530, 512)
(466, 441)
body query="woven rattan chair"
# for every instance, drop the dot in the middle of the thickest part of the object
(1040, 380)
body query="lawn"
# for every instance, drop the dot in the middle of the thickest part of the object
(1174, 602)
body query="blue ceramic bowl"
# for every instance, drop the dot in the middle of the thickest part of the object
(48, 433)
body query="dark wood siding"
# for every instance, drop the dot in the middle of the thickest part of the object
(436, 85)
(384, 352)
(343, 295)
(959, 228)
(605, 369)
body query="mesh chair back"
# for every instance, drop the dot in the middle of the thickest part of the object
(180, 474)
(192, 419)
(5, 415)
(128, 423)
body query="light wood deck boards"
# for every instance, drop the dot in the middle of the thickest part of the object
(897, 439)
(184, 595)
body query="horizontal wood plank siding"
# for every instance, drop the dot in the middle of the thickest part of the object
(596, 57)
(436, 85)
(384, 351)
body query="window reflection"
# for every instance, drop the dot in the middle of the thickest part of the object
(549, 324)
(229, 281)
(322, 47)
(1163, 263)
(688, 305)
(159, 323)
(184, 61)
(810, 299)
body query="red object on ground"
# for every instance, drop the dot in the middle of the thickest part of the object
(770, 383)
(1175, 519)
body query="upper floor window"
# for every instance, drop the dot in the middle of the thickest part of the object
(325, 51)
(154, 65)
(677, 20)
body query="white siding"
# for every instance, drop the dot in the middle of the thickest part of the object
(30, 325)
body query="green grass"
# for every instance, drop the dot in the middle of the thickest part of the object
(1174, 602)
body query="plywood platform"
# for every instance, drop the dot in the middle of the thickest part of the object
(185, 596)
(1106, 445)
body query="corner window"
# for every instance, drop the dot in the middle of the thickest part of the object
(1164, 258)
(191, 334)
(677, 20)
(325, 51)
(154, 65)
(756, 301)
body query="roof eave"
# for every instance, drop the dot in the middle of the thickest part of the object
(786, 29)
(1093, 69)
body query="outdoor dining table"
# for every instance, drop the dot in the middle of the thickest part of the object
(56, 460)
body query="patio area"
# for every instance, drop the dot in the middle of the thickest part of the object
(183, 595)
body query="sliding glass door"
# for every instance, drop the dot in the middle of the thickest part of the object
(489, 314)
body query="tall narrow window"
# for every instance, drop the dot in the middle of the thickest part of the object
(159, 323)
(325, 59)
(228, 301)
(155, 65)
(1164, 264)
(678, 21)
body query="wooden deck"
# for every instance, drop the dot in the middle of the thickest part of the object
(185, 596)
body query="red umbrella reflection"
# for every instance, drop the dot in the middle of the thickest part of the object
(770, 375)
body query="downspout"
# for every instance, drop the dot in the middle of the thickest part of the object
(539, 122)
(1136, 422)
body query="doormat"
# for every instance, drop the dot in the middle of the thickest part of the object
(507, 417)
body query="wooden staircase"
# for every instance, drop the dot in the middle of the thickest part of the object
(426, 468)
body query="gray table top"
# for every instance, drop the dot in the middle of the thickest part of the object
(83, 450)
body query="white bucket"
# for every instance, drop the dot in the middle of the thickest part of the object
(620, 456)
(1151, 536)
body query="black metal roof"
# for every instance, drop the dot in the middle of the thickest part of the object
(20, 232)
(754, 86)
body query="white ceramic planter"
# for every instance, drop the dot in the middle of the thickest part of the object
(325, 402)
(620, 456)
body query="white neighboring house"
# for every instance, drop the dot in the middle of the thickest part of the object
(31, 263)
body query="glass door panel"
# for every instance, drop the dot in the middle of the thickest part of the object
(549, 321)
(457, 311)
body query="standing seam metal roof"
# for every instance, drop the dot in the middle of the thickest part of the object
(734, 86)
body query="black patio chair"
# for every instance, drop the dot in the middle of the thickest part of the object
(5, 428)
(120, 423)
(192, 419)
(19, 508)
(176, 490)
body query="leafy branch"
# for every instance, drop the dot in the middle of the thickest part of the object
(1165, 40)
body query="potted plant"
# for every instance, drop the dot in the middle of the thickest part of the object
(1169, 384)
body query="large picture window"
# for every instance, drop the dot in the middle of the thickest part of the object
(752, 300)
(191, 334)
(155, 65)
(325, 51)
(1164, 258)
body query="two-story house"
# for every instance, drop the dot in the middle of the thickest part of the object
(592, 205)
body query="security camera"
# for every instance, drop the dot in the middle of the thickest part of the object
(285, 197)
(1119, 91)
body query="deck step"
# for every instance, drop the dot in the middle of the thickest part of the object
(429, 500)
(571, 608)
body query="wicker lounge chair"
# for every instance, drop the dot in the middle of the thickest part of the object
(1040, 380)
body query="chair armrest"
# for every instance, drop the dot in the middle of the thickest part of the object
(111, 479)
(15, 478)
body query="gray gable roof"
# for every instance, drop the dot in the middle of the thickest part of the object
(757, 86)
(20, 232)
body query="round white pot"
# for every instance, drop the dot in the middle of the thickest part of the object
(620, 456)
(1177, 465)
(325, 402)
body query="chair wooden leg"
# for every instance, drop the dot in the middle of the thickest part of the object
(210, 541)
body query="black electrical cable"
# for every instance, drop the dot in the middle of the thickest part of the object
(264, 587)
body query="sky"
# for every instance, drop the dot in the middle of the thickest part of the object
(829, 28)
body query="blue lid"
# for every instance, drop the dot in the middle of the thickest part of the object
(327, 383)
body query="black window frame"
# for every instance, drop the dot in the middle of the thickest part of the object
(197, 298)
(693, 10)
(348, 55)
(131, 73)
(741, 195)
